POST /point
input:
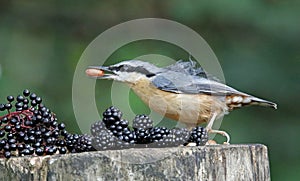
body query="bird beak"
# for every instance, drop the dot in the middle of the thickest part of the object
(100, 72)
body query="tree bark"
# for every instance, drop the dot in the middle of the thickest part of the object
(216, 162)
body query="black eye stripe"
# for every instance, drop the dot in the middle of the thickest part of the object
(128, 68)
(116, 68)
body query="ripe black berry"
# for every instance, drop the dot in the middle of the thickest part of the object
(116, 127)
(39, 151)
(19, 105)
(2, 142)
(33, 103)
(20, 98)
(26, 92)
(25, 151)
(25, 101)
(84, 143)
(105, 140)
(142, 121)
(20, 147)
(38, 100)
(31, 129)
(8, 106)
(2, 107)
(4, 120)
(143, 136)
(10, 98)
(111, 115)
(32, 96)
(199, 136)
(7, 128)
(7, 154)
(97, 127)
(13, 147)
(61, 126)
(11, 141)
(158, 133)
(128, 136)
(2, 133)
(13, 120)
(62, 150)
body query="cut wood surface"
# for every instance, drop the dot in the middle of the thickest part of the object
(215, 162)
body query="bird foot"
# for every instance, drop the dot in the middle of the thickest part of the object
(223, 133)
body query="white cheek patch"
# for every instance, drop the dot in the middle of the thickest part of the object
(130, 77)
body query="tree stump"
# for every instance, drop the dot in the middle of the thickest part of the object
(216, 162)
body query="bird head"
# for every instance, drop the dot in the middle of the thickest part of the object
(127, 71)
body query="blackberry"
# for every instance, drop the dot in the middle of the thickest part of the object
(158, 133)
(111, 115)
(105, 140)
(128, 136)
(71, 140)
(97, 127)
(142, 121)
(118, 126)
(199, 136)
(84, 143)
(76, 143)
(173, 137)
(143, 136)
(179, 136)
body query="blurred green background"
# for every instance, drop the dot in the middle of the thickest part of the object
(256, 41)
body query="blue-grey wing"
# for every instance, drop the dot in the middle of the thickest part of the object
(190, 68)
(182, 83)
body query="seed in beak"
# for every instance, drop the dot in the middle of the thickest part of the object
(94, 72)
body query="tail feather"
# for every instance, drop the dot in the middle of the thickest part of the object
(236, 101)
(261, 102)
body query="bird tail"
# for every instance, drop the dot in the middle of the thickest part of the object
(236, 101)
(261, 102)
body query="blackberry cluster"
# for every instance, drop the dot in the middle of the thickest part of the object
(77, 143)
(113, 132)
(159, 133)
(107, 141)
(175, 137)
(28, 127)
(198, 136)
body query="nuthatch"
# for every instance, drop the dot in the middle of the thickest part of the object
(180, 91)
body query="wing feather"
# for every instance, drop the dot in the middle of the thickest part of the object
(189, 84)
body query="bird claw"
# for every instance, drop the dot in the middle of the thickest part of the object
(223, 133)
